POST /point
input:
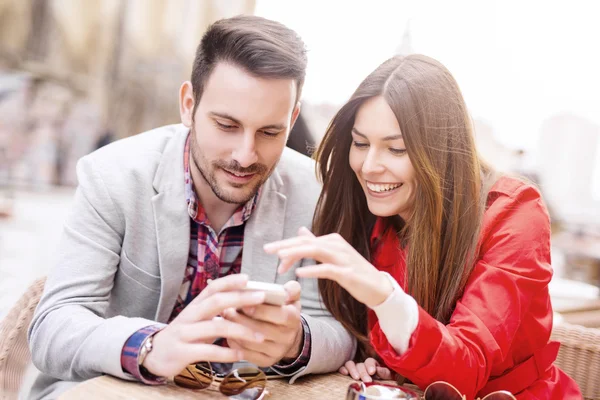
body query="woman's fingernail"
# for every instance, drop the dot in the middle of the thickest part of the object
(371, 370)
(268, 247)
(249, 310)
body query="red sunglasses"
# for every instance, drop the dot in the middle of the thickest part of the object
(436, 391)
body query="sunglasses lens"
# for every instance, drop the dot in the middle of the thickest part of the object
(246, 383)
(441, 391)
(501, 395)
(195, 376)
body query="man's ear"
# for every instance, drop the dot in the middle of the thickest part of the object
(186, 104)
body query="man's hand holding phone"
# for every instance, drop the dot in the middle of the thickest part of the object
(189, 337)
(281, 325)
(275, 294)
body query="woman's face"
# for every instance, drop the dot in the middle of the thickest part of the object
(379, 159)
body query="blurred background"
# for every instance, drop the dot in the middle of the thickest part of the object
(76, 75)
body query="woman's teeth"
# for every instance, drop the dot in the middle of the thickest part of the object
(377, 187)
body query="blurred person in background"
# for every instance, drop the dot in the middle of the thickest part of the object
(301, 138)
(160, 215)
(438, 265)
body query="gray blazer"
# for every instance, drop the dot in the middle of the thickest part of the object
(124, 251)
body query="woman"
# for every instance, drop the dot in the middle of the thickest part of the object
(426, 256)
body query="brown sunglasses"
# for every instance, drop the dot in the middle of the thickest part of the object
(245, 383)
(436, 391)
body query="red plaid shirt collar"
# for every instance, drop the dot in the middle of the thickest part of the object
(195, 208)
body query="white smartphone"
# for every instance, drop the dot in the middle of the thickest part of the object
(275, 294)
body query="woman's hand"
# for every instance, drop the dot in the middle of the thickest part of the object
(340, 263)
(365, 371)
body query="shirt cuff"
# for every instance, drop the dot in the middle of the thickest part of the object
(398, 317)
(302, 360)
(130, 355)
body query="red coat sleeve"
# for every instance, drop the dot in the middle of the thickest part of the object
(513, 267)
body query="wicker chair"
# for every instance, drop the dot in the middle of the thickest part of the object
(14, 350)
(579, 356)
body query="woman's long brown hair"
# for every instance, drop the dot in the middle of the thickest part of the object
(443, 227)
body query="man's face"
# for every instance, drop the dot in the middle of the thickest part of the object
(239, 130)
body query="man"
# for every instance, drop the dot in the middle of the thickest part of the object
(159, 215)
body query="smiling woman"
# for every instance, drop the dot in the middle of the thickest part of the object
(426, 255)
(379, 160)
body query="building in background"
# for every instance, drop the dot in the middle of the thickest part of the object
(567, 154)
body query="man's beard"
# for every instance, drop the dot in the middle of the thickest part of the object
(207, 170)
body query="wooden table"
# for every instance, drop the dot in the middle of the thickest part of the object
(330, 386)
(579, 312)
(582, 256)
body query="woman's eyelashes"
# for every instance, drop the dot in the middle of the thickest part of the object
(393, 150)
(397, 152)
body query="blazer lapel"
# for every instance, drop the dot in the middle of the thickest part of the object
(172, 223)
(265, 225)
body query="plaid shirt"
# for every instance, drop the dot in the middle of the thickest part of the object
(211, 256)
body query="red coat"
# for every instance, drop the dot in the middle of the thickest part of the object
(498, 335)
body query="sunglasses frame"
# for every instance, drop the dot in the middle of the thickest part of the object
(216, 377)
(356, 391)
(463, 397)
